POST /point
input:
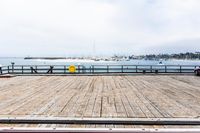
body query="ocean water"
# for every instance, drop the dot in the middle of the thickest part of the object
(21, 61)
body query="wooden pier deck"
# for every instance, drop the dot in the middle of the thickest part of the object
(150, 96)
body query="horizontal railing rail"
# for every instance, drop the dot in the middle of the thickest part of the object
(81, 69)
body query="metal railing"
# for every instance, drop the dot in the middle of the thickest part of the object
(95, 69)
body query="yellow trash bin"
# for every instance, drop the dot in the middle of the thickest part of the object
(72, 69)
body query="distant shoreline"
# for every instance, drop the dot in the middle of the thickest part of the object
(65, 58)
(45, 58)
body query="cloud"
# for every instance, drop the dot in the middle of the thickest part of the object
(69, 27)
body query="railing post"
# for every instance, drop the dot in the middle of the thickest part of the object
(31, 70)
(1, 70)
(78, 68)
(22, 70)
(180, 69)
(122, 69)
(92, 69)
(107, 69)
(165, 69)
(136, 68)
(8, 69)
(12, 66)
(84, 69)
(64, 69)
(36, 68)
(151, 69)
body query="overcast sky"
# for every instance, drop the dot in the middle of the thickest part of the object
(71, 27)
